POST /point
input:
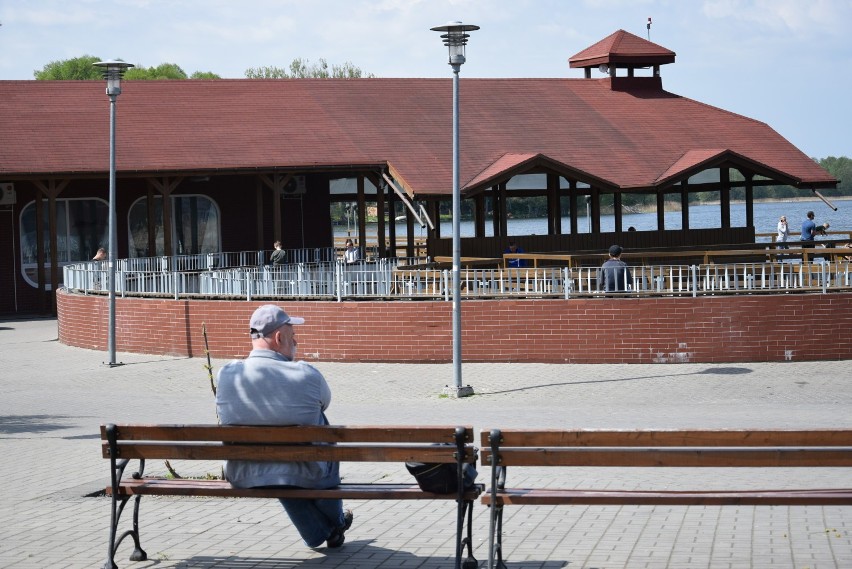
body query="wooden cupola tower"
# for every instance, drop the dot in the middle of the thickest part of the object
(623, 50)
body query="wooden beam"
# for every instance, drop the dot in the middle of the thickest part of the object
(166, 186)
(362, 210)
(495, 210)
(276, 183)
(479, 215)
(725, 196)
(381, 186)
(684, 205)
(554, 212)
(572, 204)
(52, 189)
(504, 210)
(616, 209)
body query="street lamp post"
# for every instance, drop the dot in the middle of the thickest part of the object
(112, 71)
(455, 38)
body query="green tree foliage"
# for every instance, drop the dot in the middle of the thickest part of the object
(304, 69)
(840, 168)
(162, 71)
(82, 68)
(76, 68)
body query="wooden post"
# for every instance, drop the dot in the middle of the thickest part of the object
(51, 189)
(684, 205)
(504, 210)
(572, 204)
(479, 214)
(616, 210)
(362, 212)
(495, 210)
(554, 209)
(725, 197)
(661, 210)
(749, 198)
(166, 186)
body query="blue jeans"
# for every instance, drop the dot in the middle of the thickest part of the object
(315, 519)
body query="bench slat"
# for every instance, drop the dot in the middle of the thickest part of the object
(289, 434)
(223, 489)
(642, 457)
(302, 453)
(539, 496)
(717, 438)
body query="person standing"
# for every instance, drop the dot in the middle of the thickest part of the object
(614, 275)
(783, 232)
(279, 256)
(808, 228)
(270, 388)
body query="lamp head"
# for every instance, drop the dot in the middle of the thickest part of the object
(455, 39)
(113, 71)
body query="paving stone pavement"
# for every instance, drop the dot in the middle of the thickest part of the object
(55, 397)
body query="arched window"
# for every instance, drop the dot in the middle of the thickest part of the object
(82, 225)
(195, 226)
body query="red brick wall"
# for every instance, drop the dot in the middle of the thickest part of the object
(705, 329)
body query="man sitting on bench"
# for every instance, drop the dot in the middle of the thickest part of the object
(270, 388)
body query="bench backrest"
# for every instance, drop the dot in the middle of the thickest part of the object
(292, 443)
(687, 448)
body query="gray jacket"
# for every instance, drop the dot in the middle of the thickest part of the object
(268, 389)
(613, 275)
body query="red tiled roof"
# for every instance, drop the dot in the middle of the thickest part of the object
(627, 138)
(622, 48)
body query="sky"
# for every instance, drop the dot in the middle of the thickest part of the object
(784, 62)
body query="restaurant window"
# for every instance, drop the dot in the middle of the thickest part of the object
(82, 226)
(195, 226)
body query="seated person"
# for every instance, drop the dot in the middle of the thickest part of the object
(614, 275)
(515, 263)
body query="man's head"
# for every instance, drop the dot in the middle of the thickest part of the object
(513, 246)
(615, 251)
(810, 215)
(272, 329)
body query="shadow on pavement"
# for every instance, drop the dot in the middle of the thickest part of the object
(17, 424)
(358, 553)
(717, 371)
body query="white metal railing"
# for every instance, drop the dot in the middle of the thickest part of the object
(395, 278)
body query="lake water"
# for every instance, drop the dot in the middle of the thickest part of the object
(766, 215)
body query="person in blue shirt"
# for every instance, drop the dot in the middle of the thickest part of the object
(515, 263)
(808, 228)
(270, 387)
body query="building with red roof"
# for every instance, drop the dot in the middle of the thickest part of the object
(212, 165)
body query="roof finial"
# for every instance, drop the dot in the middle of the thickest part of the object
(649, 28)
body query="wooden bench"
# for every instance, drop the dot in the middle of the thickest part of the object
(432, 444)
(585, 448)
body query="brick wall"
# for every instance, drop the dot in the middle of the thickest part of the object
(650, 330)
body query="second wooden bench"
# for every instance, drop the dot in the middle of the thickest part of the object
(502, 448)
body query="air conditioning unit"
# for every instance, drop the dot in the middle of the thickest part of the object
(295, 187)
(7, 194)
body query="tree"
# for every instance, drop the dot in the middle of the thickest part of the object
(304, 69)
(82, 68)
(840, 168)
(76, 68)
(162, 71)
